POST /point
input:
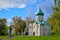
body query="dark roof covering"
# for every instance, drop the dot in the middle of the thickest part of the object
(39, 12)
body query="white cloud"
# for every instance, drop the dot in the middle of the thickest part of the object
(15, 3)
(22, 6)
(11, 4)
(9, 21)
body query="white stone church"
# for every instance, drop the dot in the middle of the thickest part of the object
(40, 27)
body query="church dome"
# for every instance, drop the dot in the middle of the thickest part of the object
(39, 12)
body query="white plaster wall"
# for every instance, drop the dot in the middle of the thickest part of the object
(40, 17)
(30, 30)
(47, 30)
(34, 25)
(42, 30)
(36, 30)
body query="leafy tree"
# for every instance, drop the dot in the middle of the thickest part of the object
(3, 22)
(54, 20)
(18, 24)
(29, 20)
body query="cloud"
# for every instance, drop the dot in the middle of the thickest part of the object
(11, 4)
(15, 3)
(9, 21)
(22, 6)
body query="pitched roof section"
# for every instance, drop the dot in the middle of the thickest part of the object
(40, 23)
(39, 12)
(43, 23)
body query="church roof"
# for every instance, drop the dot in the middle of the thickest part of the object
(39, 12)
(43, 23)
(40, 23)
(46, 23)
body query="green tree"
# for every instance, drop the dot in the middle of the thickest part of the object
(54, 20)
(18, 24)
(3, 22)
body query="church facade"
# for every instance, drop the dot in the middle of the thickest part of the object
(40, 27)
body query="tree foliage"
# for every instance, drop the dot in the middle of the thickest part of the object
(54, 20)
(3, 22)
(18, 24)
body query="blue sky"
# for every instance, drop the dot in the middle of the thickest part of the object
(24, 8)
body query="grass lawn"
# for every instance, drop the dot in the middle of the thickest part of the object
(32, 37)
(3, 37)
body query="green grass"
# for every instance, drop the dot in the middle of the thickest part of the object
(33, 37)
(3, 37)
(37, 38)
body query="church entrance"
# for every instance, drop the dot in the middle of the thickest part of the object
(33, 33)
